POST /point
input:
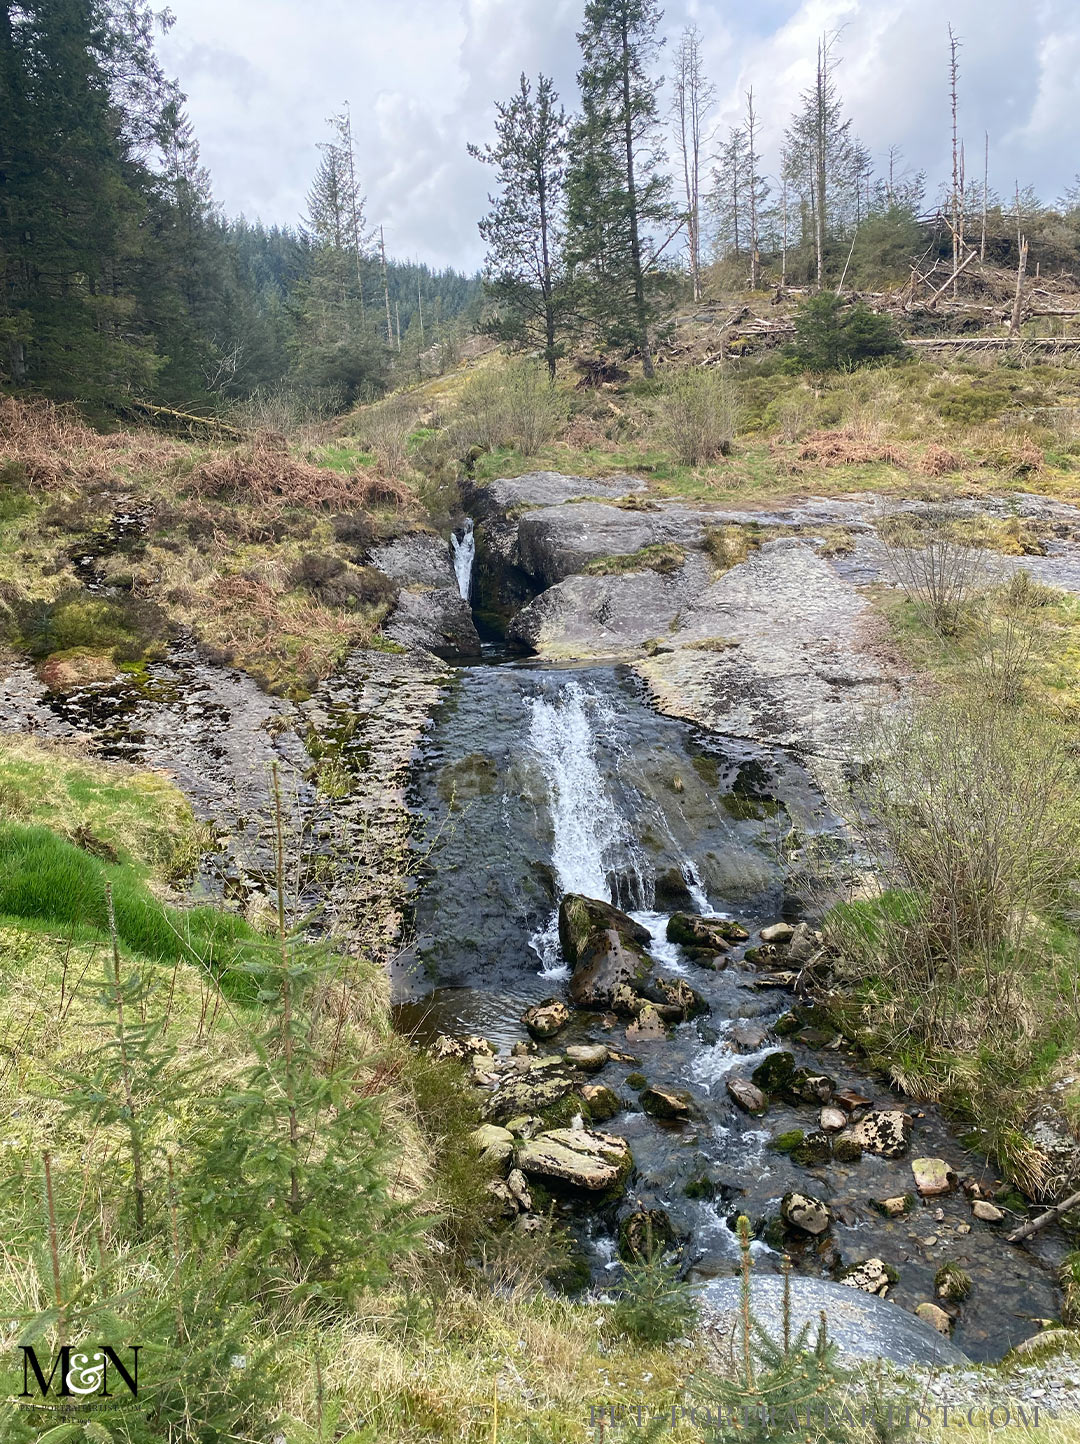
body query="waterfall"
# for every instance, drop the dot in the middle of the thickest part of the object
(463, 549)
(593, 851)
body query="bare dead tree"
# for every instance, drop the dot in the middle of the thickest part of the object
(957, 183)
(754, 183)
(986, 191)
(692, 98)
(1021, 268)
(386, 289)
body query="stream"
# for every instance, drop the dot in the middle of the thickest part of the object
(538, 780)
(526, 781)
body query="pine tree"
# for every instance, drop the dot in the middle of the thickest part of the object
(525, 273)
(617, 188)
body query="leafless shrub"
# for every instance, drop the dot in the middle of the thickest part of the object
(700, 415)
(939, 569)
(1011, 639)
(514, 404)
(385, 428)
(795, 415)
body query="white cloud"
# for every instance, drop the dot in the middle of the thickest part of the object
(263, 75)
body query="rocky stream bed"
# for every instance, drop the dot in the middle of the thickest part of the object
(670, 747)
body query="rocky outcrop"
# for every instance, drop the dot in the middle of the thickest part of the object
(429, 611)
(585, 1159)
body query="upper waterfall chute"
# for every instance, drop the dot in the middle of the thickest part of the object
(463, 551)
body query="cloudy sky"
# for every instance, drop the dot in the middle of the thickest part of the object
(420, 76)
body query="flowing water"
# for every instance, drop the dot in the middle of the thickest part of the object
(462, 552)
(535, 781)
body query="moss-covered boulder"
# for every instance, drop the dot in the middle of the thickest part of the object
(711, 933)
(579, 1157)
(670, 1104)
(645, 1234)
(774, 1074)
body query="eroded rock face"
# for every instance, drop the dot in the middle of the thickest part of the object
(429, 611)
(581, 1157)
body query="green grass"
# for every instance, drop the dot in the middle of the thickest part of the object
(48, 883)
(662, 557)
(137, 818)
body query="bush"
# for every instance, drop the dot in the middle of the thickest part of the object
(832, 335)
(934, 561)
(515, 405)
(699, 416)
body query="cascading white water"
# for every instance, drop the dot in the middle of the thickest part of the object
(593, 842)
(463, 550)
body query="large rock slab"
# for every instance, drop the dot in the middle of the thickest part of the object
(581, 1157)
(861, 1326)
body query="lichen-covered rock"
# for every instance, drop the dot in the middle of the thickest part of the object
(647, 1027)
(674, 1105)
(872, 1276)
(814, 1150)
(601, 1103)
(586, 1159)
(547, 1087)
(933, 1176)
(674, 998)
(645, 1234)
(806, 1087)
(493, 1142)
(846, 1147)
(544, 1020)
(806, 1213)
(713, 933)
(884, 1131)
(746, 1096)
(461, 1049)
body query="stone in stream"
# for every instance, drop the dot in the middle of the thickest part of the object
(806, 1087)
(894, 1207)
(884, 1131)
(777, 934)
(666, 1103)
(644, 1234)
(544, 1020)
(933, 1176)
(775, 1072)
(806, 1213)
(746, 1096)
(846, 1146)
(802, 946)
(601, 1103)
(461, 1049)
(872, 1276)
(935, 1317)
(581, 1157)
(832, 1120)
(713, 933)
(860, 1325)
(673, 998)
(647, 1027)
(987, 1212)
(545, 1086)
(850, 1100)
(749, 1037)
(606, 949)
(809, 1150)
(589, 1056)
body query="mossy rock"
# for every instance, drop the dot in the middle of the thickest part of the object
(775, 1073)
(471, 777)
(951, 1282)
(814, 1150)
(785, 1142)
(786, 1025)
(636, 1081)
(645, 1234)
(700, 1186)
